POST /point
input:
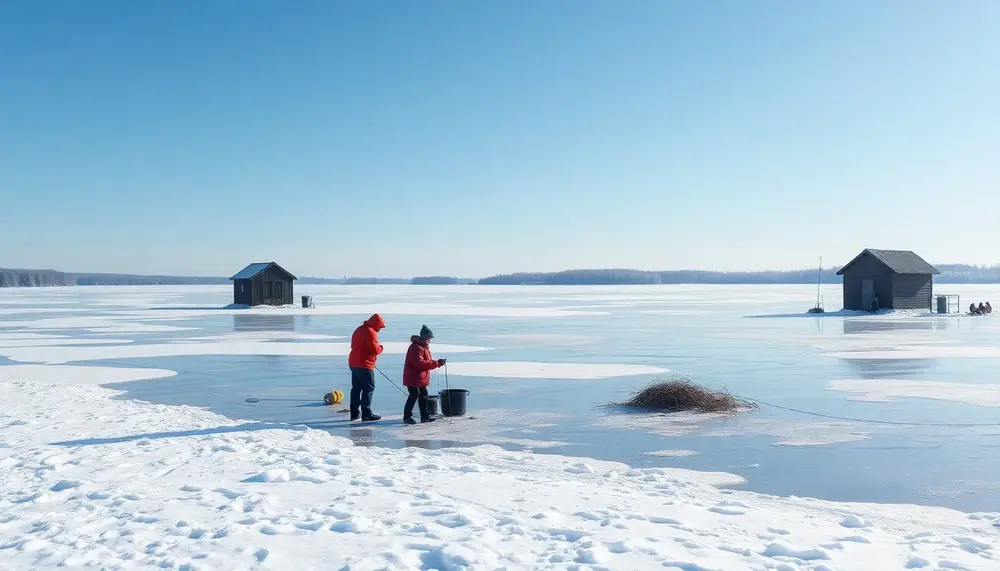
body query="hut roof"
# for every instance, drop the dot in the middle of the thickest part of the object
(898, 261)
(256, 268)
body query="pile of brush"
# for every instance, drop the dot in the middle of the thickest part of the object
(684, 395)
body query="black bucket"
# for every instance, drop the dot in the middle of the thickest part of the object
(453, 402)
(432, 405)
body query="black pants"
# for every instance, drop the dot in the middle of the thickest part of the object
(362, 387)
(417, 395)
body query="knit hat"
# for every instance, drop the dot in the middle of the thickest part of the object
(426, 333)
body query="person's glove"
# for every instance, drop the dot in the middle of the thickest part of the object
(441, 362)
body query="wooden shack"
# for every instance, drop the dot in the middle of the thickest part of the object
(263, 283)
(888, 279)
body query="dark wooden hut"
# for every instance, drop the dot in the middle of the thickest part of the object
(888, 279)
(264, 283)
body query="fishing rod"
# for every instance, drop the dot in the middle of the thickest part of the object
(254, 399)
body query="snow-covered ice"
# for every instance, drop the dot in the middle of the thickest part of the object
(672, 453)
(882, 390)
(97, 353)
(80, 374)
(88, 481)
(532, 370)
(922, 352)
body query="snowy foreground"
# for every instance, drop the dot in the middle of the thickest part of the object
(88, 481)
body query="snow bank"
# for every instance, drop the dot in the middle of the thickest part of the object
(277, 348)
(87, 481)
(532, 370)
(882, 390)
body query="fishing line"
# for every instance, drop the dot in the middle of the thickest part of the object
(398, 388)
(871, 420)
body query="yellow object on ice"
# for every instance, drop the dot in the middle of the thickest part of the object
(336, 397)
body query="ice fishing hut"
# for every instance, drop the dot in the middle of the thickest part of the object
(888, 279)
(264, 283)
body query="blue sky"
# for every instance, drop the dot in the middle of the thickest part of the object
(471, 138)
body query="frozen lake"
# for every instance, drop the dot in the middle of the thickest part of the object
(896, 408)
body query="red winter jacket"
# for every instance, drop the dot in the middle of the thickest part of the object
(419, 364)
(365, 348)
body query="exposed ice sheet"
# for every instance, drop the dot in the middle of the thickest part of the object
(79, 374)
(882, 390)
(532, 370)
(143, 485)
(269, 348)
(542, 339)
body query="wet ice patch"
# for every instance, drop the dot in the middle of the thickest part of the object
(882, 390)
(533, 370)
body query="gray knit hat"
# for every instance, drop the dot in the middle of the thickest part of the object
(426, 333)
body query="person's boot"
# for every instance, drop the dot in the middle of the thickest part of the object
(370, 417)
(424, 416)
(355, 415)
(408, 420)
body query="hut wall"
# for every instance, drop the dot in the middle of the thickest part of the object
(912, 291)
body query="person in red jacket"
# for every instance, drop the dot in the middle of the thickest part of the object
(365, 350)
(417, 374)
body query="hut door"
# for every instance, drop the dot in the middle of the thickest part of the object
(867, 293)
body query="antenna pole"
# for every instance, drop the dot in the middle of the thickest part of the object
(819, 280)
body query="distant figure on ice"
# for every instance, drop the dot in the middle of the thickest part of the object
(982, 309)
(417, 375)
(365, 350)
(989, 308)
(973, 310)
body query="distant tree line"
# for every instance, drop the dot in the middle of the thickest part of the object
(440, 280)
(34, 278)
(950, 273)
(52, 278)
